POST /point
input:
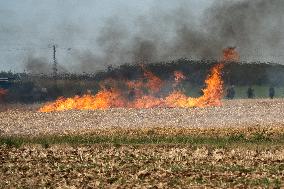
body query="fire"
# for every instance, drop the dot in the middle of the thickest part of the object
(212, 94)
(146, 101)
(102, 100)
(111, 98)
(176, 99)
(145, 93)
(230, 54)
(178, 76)
(154, 84)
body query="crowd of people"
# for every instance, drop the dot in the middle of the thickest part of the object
(250, 92)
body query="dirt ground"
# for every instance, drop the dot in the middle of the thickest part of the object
(25, 120)
(141, 167)
(252, 160)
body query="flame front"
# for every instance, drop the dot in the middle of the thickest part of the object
(212, 94)
(136, 97)
(112, 98)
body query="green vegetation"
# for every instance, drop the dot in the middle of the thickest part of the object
(259, 91)
(240, 139)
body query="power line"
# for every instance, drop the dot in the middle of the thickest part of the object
(32, 48)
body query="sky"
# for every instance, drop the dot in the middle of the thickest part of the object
(92, 34)
(30, 27)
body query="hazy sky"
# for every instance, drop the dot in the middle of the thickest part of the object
(28, 27)
(95, 33)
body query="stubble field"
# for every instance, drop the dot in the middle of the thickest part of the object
(238, 145)
(25, 120)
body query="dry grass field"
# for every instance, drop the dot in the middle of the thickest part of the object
(143, 166)
(25, 120)
(238, 145)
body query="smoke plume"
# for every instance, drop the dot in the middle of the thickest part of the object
(37, 65)
(254, 27)
(40, 65)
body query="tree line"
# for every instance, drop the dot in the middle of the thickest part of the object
(25, 87)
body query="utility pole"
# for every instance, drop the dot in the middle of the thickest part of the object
(54, 67)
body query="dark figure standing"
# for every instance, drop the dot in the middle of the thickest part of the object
(271, 92)
(231, 92)
(250, 92)
(131, 94)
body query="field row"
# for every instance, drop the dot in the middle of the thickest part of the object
(25, 120)
(175, 135)
(158, 166)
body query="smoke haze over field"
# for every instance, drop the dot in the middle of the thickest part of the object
(92, 35)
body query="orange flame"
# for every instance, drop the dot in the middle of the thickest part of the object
(178, 76)
(154, 84)
(105, 99)
(230, 54)
(115, 98)
(212, 94)
(146, 101)
(102, 100)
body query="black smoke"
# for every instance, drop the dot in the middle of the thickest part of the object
(40, 65)
(37, 65)
(254, 27)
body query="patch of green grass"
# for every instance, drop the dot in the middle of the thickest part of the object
(46, 141)
(276, 183)
(12, 141)
(259, 91)
(239, 137)
(196, 180)
(238, 168)
(173, 182)
(260, 137)
(260, 182)
(112, 180)
(241, 91)
(176, 168)
(199, 180)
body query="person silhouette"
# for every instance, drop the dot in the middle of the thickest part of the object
(271, 92)
(250, 92)
(231, 92)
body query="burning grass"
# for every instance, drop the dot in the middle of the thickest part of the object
(135, 97)
(131, 94)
